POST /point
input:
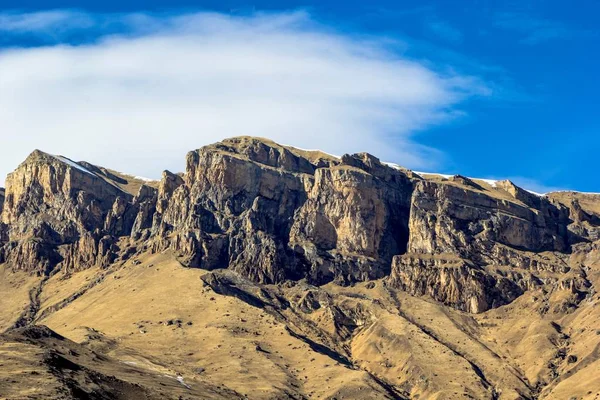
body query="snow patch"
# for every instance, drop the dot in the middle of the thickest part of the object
(392, 165)
(73, 164)
(316, 150)
(445, 176)
(180, 380)
(491, 182)
(575, 191)
(535, 193)
(141, 178)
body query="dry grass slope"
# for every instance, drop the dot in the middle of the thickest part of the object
(175, 332)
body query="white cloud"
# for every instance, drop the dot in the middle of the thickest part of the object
(140, 96)
(44, 22)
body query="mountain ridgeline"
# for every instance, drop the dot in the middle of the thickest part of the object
(273, 213)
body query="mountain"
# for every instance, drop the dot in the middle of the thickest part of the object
(268, 271)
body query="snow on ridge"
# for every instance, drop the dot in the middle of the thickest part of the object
(141, 178)
(315, 150)
(73, 164)
(445, 176)
(392, 165)
(575, 191)
(535, 193)
(491, 182)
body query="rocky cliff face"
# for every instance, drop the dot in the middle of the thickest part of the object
(480, 230)
(57, 213)
(51, 202)
(354, 220)
(3, 227)
(273, 213)
(456, 282)
(1, 199)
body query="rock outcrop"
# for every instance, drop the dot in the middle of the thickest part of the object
(56, 212)
(455, 282)
(1, 199)
(51, 202)
(447, 218)
(354, 220)
(3, 227)
(233, 209)
(461, 235)
(273, 213)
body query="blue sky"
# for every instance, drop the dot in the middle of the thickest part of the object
(490, 89)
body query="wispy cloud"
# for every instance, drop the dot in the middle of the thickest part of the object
(44, 22)
(138, 96)
(537, 30)
(444, 31)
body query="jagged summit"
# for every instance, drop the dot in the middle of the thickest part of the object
(40, 157)
(243, 144)
(267, 152)
(127, 183)
(273, 213)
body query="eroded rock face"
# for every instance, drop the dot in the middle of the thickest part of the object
(234, 209)
(455, 282)
(273, 213)
(1, 199)
(51, 202)
(480, 232)
(452, 219)
(355, 219)
(66, 196)
(56, 212)
(3, 227)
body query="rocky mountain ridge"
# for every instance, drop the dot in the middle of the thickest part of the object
(274, 213)
(269, 272)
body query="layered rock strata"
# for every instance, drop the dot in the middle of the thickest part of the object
(273, 213)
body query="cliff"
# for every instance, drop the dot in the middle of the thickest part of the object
(273, 213)
(57, 212)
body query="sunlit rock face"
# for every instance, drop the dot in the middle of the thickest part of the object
(274, 213)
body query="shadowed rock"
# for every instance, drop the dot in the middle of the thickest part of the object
(273, 213)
